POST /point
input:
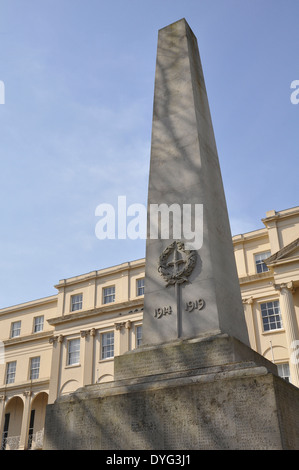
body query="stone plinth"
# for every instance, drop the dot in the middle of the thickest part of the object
(212, 393)
(194, 356)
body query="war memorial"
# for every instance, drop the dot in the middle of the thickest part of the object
(195, 383)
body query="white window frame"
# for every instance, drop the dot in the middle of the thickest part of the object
(15, 329)
(34, 368)
(108, 295)
(73, 352)
(258, 258)
(284, 371)
(138, 336)
(10, 375)
(265, 308)
(76, 302)
(107, 346)
(140, 288)
(38, 323)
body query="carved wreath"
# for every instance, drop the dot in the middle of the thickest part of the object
(176, 276)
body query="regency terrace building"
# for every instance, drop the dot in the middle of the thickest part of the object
(52, 346)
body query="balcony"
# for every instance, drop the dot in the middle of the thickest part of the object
(35, 442)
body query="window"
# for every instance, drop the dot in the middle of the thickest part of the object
(271, 315)
(34, 368)
(108, 294)
(140, 286)
(31, 428)
(284, 371)
(15, 329)
(138, 335)
(11, 372)
(5, 431)
(76, 302)
(107, 345)
(261, 267)
(73, 356)
(38, 324)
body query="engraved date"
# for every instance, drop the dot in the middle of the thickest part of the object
(159, 312)
(195, 305)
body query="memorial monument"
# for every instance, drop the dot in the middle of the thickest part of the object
(185, 173)
(195, 383)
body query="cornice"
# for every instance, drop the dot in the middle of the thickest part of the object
(249, 236)
(29, 304)
(27, 338)
(256, 277)
(22, 387)
(101, 273)
(279, 215)
(128, 306)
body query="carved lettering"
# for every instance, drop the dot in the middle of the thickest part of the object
(159, 312)
(195, 305)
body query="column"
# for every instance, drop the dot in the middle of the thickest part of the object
(88, 355)
(25, 421)
(55, 368)
(290, 326)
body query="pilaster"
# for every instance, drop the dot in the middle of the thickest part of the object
(55, 368)
(270, 223)
(25, 421)
(123, 331)
(88, 367)
(289, 322)
(248, 312)
(2, 414)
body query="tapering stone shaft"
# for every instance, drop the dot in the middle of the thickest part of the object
(185, 174)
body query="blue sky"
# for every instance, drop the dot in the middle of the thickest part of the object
(75, 128)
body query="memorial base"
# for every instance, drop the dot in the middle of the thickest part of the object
(210, 393)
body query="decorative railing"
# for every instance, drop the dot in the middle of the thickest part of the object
(11, 443)
(37, 440)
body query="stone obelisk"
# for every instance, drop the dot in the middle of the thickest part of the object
(187, 292)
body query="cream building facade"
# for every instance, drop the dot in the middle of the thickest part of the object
(55, 345)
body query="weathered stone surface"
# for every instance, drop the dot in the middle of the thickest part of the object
(198, 355)
(237, 405)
